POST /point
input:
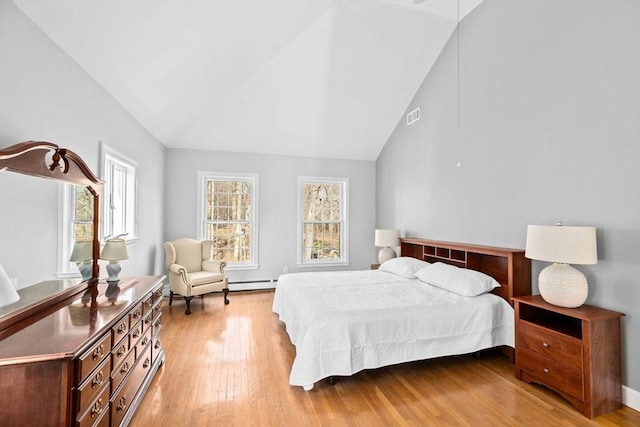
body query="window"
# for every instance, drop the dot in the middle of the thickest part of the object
(323, 226)
(227, 215)
(119, 194)
(75, 225)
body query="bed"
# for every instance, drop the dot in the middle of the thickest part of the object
(346, 321)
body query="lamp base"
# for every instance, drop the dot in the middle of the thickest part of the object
(86, 269)
(386, 254)
(563, 285)
(113, 269)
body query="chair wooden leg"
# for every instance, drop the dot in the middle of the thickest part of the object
(170, 297)
(226, 293)
(188, 301)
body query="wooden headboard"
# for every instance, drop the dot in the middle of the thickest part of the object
(508, 266)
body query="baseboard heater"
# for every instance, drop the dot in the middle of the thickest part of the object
(254, 281)
(249, 285)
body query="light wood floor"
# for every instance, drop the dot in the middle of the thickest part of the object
(229, 366)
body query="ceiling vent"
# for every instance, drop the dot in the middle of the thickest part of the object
(413, 116)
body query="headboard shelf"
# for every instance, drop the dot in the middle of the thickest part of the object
(508, 266)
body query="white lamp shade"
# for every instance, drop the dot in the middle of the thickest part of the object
(562, 244)
(82, 251)
(387, 238)
(8, 294)
(115, 250)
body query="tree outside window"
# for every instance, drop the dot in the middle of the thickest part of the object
(228, 218)
(323, 225)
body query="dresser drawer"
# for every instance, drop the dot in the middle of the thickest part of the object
(93, 357)
(119, 352)
(558, 347)
(147, 320)
(121, 401)
(136, 314)
(143, 342)
(120, 330)
(121, 371)
(148, 303)
(97, 412)
(135, 334)
(551, 373)
(93, 384)
(157, 293)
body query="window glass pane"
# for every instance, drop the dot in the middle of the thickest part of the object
(227, 223)
(82, 229)
(321, 220)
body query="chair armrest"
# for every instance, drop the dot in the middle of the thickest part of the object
(214, 266)
(177, 269)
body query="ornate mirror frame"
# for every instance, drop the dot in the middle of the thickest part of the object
(48, 160)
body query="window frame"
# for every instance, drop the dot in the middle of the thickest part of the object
(109, 159)
(203, 178)
(344, 223)
(66, 218)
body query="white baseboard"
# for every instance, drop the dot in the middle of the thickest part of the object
(631, 398)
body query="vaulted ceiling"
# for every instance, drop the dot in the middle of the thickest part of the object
(319, 78)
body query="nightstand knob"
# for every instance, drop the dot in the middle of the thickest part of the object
(545, 345)
(545, 370)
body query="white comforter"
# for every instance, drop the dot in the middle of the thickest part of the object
(344, 322)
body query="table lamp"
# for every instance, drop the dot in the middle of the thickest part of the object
(8, 294)
(114, 251)
(561, 284)
(82, 255)
(386, 239)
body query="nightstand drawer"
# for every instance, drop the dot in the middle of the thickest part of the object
(551, 373)
(560, 348)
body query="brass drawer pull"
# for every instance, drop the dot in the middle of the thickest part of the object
(148, 303)
(137, 314)
(121, 351)
(98, 353)
(122, 328)
(147, 320)
(97, 380)
(125, 368)
(136, 333)
(144, 341)
(157, 346)
(146, 363)
(97, 408)
(545, 370)
(545, 345)
(122, 403)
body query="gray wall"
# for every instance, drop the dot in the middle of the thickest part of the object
(46, 96)
(277, 182)
(549, 130)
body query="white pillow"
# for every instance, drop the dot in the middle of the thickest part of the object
(403, 266)
(462, 281)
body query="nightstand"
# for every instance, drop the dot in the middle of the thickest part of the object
(573, 351)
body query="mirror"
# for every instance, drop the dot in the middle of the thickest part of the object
(33, 237)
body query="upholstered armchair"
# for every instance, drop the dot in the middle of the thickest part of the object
(191, 271)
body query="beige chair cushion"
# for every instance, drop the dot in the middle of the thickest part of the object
(204, 278)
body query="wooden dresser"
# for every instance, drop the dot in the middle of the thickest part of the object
(88, 362)
(574, 351)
